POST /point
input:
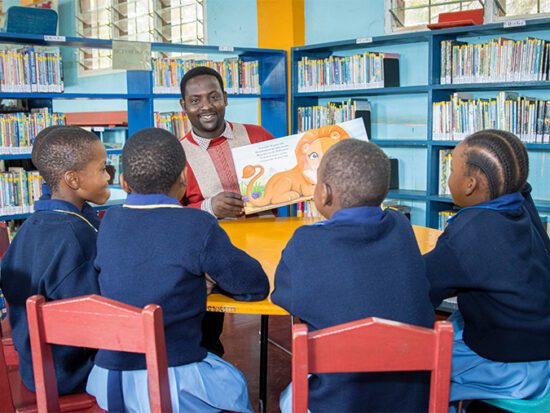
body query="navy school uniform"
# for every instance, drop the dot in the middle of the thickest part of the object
(363, 262)
(52, 255)
(495, 257)
(153, 250)
(87, 212)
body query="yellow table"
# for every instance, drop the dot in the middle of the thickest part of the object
(264, 239)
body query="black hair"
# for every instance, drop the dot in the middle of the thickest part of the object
(67, 148)
(501, 157)
(152, 161)
(358, 173)
(199, 71)
(38, 141)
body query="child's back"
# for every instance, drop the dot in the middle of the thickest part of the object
(495, 257)
(362, 262)
(53, 252)
(153, 250)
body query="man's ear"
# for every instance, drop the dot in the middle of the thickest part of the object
(225, 98)
(124, 184)
(182, 104)
(72, 180)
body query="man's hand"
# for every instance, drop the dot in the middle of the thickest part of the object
(228, 204)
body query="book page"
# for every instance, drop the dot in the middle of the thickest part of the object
(283, 171)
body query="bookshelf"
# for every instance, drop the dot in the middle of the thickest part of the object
(411, 105)
(139, 95)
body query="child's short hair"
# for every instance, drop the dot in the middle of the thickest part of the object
(358, 172)
(199, 71)
(67, 148)
(38, 141)
(152, 160)
(501, 157)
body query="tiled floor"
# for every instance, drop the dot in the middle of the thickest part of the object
(242, 348)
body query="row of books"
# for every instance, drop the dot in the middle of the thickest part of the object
(240, 77)
(307, 209)
(312, 117)
(19, 190)
(526, 117)
(500, 60)
(360, 71)
(17, 130)
(443, 218)
(31, 69)
(175, 122)
(445, 156)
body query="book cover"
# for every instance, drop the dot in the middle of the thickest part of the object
(283, 171)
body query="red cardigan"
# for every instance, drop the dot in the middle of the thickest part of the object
(212, 171)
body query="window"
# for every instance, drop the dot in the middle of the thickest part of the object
(416, 14)
(167, 21)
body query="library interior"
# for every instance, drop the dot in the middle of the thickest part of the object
(407, 138)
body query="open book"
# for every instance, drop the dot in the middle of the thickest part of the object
(284, 171)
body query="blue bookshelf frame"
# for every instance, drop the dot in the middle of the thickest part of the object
(140, 98)
(434, 91)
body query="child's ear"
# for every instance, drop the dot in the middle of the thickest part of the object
(326, 195)
(472, 184)
(124, 184)
(183, 177)
(71, 180)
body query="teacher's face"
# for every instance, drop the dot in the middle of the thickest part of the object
(204, 103)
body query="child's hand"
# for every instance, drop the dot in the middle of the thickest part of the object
(210, 284)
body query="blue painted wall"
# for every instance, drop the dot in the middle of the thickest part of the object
(330, 20)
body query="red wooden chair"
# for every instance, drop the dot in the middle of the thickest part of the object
(96, 322)
(373, 345)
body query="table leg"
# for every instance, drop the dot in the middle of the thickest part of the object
(264, 323)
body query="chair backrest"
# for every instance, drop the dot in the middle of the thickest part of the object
(96, 322)
(373, 345)
(6, 400)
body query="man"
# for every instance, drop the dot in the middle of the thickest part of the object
(212, 179)
(212, 183)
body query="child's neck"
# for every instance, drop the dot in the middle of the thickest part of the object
(70, 197)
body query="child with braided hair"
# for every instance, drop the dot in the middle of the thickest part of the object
(495, 257)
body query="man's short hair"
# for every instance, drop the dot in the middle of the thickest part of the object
(152, 161)
(358, 173)
(199, 71)
(67, 148)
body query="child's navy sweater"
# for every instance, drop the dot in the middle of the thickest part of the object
(154, 251)
(52, 255)
(495, 257)
(363, 262)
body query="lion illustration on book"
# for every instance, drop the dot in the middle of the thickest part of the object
(299, 181)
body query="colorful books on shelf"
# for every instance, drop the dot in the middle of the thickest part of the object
(444, 218)
(307, 209)
(526, 117)
(31, 69)
(445, 156)
(283, 171)
(500, 60)
(17, 130)
(19, 189)
(240, 77)
(360, 71)
(311, 117)
(175, 122)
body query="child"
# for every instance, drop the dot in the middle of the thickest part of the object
(153, 250)
(495, 256)
(87, 210)
(362, 262)
(53, 251)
